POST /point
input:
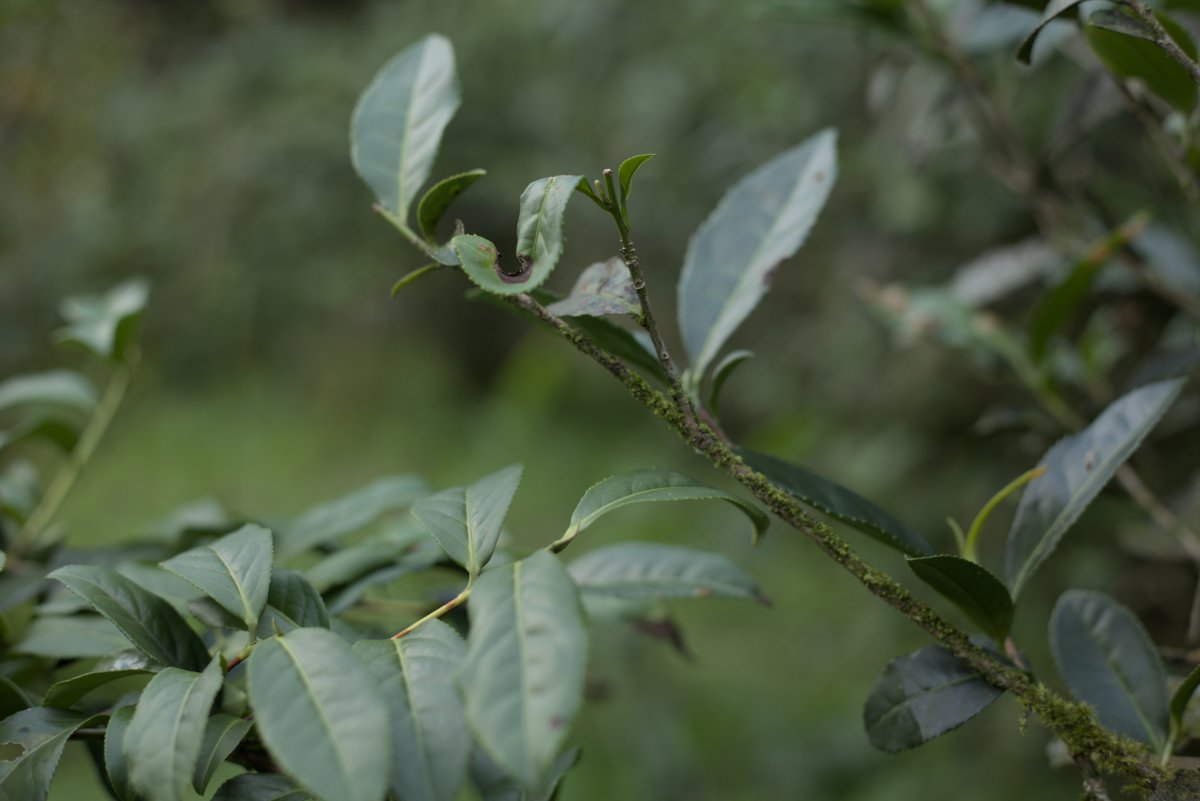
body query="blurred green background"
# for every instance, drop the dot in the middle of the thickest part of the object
(203, 145)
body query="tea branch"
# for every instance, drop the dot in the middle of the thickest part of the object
(1162, 38)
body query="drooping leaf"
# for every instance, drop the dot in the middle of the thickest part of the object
(921, 696)
(164, 736)
(41, 733)
(1134, 57)
(721, 374)
(335, 519)
(318, 710)
(652, 485)
(627, 170)
(466, 521)
(523, 677)
(398, 122)
(1109, 661)
(603, 288)
(147, 620)
(222, 734)
(65, 389)
(115, 763)
(430, 738)
(494, 785)
(71, 637)
(64, 694)
(434, 202)
(644, 570)
(1077, 468)
(838, 502)
(260, 787)
(235, 571)
(106, 324)
(1054, 9)
(761, 221)
(971, 588)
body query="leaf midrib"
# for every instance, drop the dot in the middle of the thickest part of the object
(1130, 696)
(418, 728)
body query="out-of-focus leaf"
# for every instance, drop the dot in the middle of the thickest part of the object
(1054, 9)
(434, 202)
(1134, 57)
(1109, 661)
(1182, 695)
(318, 710)
(494, 785)
(997, 273)
(1120, 22)
(115, 763)
(107, 324)
(761, 221)
(838, 502)
(335, 519)
(164, 736)
(12, 698)
(1171, 259)
(523, 677)
(430, 738)
(603, 288)
(235, 571)
(222, 734)
(42, 733)
(398, 122)
(260, 787)
(971, 588)
(71, 637)
(351, 563)
(66, 693)
(1077, 468)
(644, 570)
(148, 621)
(65, 389)
(721, 374)
(466, 521)
(921, 696)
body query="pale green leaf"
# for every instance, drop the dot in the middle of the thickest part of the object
(235, 571)
(644, 570)
(106, 324)
(466, 521)
(64, 389)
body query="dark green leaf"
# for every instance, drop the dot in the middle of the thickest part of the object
(439, 197)
(260, 787)
(526, 653)
(466, 521)
(318, 711)
(838, 502)
(430, 738)
(626, 172)
(12, 698)
(1077, 468)
(1109, 661)
(399, 120)
(235, 571)
(42, 733)
(1133, 57)
(921, 696)
(222, 734)
(721, 374)
(643, 570)
(66, 693)
(335, 519)
(73, 637)
(761, 221)
(163, 741)
(148, 621)
(1120, 22)
(1054, 9)
(1182, 695)
(652, 485)
(115, 763)
(603, 288)
(636, 349)
(107, 324)
(971, 588)
(1056, 305)
(293, 598)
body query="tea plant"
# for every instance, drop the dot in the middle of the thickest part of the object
(265, 644)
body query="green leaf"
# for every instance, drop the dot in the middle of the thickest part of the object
(398, 122)
(1077, 468)
(1120, 22)
(721, 374)
(523, 677)
(1133, 57)
(115, 763)
(652, 485)
(430, 738)
(466, 521)
(761, 221)
(41, 733)
(335, 519)
(260, 787)
(71, 637)
(439, 197)
(164, 736)
(494, 785)
(65, 389)
(235, 571)
(643, 570)
(222, 734)
(1055, 306)
(1182, 695)
(66, 693)
(318, 711)
(148, 621)
(624, 344)
(838, 502)
(344, 566)
(107, 324)
(1054, 9)
(12, 698)
(294, 598)
(1109, 661)
(603, 288)
(971, 588)
(921, 696)
(626, 172)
